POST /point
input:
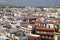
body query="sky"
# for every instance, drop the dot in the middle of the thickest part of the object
(30, 2)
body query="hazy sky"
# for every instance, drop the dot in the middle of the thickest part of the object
(30, 2)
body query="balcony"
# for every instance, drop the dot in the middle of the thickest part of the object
(45, 29)
(45, 34)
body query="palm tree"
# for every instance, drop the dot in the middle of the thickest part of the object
(57, 28)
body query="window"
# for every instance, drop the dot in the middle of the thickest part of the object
(49, 26)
